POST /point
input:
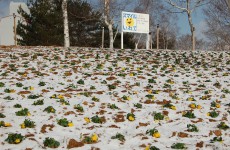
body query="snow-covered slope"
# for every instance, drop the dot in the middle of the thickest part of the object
(160, 88)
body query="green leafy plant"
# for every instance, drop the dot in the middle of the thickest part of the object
(81, 82)
(41, 83)
(63, 122)
(151, 81)
(158, 116)
(138, 105)
(23, 112)
(79, 107)
(213, 114)
(51, 143)
(96, 119)
(8, 98)
(38, 102)
(2, 84)
(17, 106)
(153, 148)
(216, 139)
(112, 106)
(2, 115)
(178, 146)
(33, 96)
(64, 102)
(87, 140)
(49, 109)
(119, 136)
(223, 126)
(111, 87)
(19, 84)
(14, 138)
(192, 128)
(28, 123)
(95, 99)
(189, 114)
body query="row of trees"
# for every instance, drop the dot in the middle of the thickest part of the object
(45, 23)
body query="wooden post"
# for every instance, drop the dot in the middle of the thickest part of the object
(158, 36)
(103, 37)
(193, 40)
(15, 32)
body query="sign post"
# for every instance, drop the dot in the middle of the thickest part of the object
(135, 23)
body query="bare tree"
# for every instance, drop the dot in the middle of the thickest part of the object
(159, 15)
(188, 7)
(218, 23)
(66, 24)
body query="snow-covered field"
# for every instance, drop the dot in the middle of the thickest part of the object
(182, 95)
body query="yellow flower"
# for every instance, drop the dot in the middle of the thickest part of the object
(123, 68)
(7, 124)
(60, 96)
(147, 147)
(28, 114)
(149, 91)
(153, 98)
(217, 105)
(53, 96)
(24, 75)
(208, 114)
(167, 118)
(17, 141)
(23, 126)
(94, 137)
(128, 98)
(87, 119)
(156, 135)
(193, 105)
(190, 99)
(131, 74)
(52, 110)
(70, 124)
(135, 92)
(198, 107)
(31, 88)
(138, 69)
(173, 107)
(131, 118)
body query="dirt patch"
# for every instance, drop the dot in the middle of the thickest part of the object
(69, 113)
(200, 144)
(50, 126)
(73, 144)
(182, 135)
(119, 118)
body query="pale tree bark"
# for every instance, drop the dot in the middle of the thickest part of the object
(108, 22)
(189, 10)
(66, 24)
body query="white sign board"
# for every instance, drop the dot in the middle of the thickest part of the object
(135, 22)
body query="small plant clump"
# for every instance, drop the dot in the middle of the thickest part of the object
(65, 123)
(14, 138)
(130, 116)
(112, 106)
(154, 132)
(49, 109)
(189, 114)
(27, 124)
(23, 112)
(223, 126)
(119, 136)
(178, 146)
(51, 143)
(213, 114)
(38, 102)
(192, 128)
(79, 108)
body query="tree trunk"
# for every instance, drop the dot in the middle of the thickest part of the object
(191, 25)
(109, 23)
(66, 24)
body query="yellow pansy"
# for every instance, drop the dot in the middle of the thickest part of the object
(31, 88)
(60, 96)
(17, 141)
(87, 119)
(70, 124)
(128, 98)
(198, 107)
(12, 91)
(147, 147)
(156, 135)
(131, 74)
(28, 114)
(173, 107)
(23, 126)
(217, 105)
(7, 124)
(131, 118)
(94, 137)
(193, 105)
